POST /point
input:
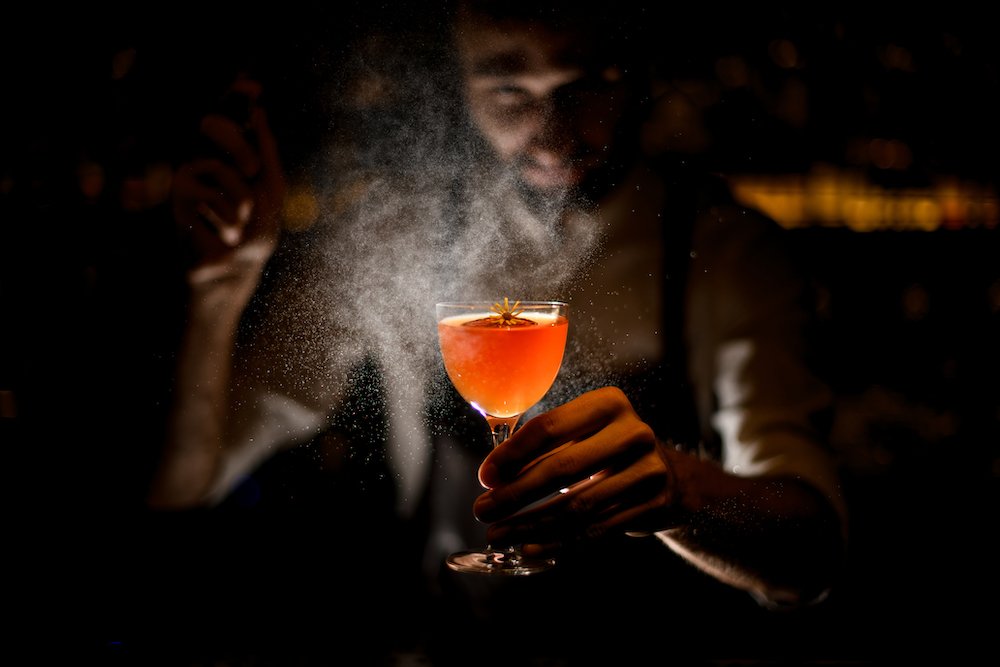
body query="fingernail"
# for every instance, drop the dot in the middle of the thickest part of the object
(244, 210)
(230, 235)
(487, 475)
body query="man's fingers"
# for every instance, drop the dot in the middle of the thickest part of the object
(217, 195)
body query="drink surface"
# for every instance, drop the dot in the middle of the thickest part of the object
(502, 370)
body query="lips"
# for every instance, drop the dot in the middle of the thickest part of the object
(551, 177)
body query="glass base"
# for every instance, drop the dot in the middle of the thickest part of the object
(498, 562)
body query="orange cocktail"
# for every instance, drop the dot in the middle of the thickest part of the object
(502, 359)
(502, 369)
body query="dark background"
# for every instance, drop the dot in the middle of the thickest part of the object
(910, 319)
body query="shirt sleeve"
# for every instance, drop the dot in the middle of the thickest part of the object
(747, 322)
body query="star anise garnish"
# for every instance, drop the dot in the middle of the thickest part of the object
(505, 315)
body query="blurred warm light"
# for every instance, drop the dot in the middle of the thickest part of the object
(90, 177)
(828, 196)
(926, 213)
(158, 181)
(732, 71)
(894, 56)
(783, 53)
(301, 210)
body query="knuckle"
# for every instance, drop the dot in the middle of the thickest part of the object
(643, 433)
(566, 463)
(546, 424)
(615, 396)
(639, 437)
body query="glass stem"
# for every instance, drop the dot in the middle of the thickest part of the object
(501, 430)
(500, 433)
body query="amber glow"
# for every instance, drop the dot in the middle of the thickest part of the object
(830, 197)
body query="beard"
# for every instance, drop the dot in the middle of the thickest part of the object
(549, 203)
(596, 184)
